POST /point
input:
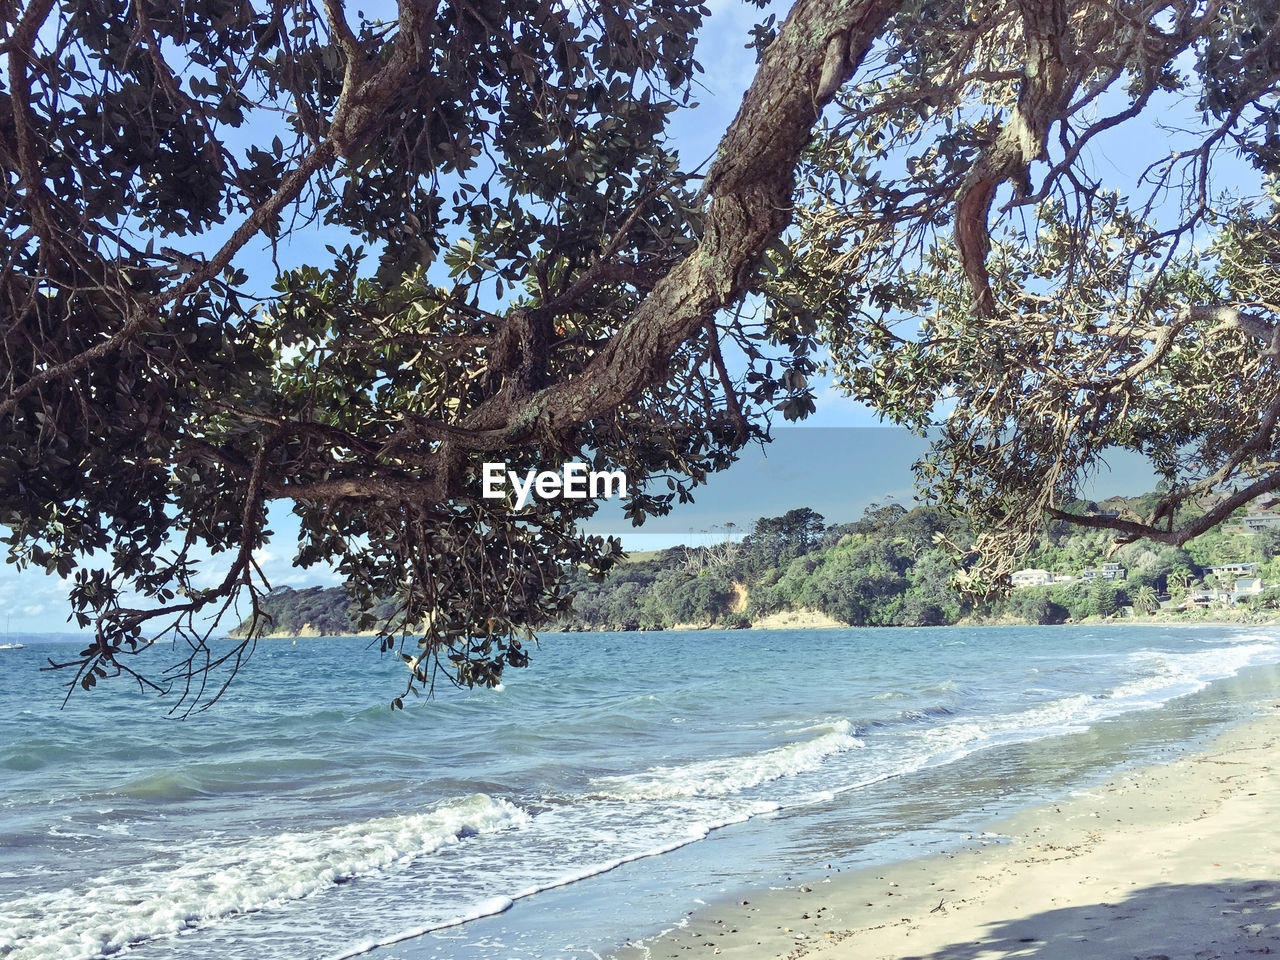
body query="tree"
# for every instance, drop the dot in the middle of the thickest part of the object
(531, 277)
(776, 541)
(1152, 564)
(1266, 544)
(1180, 580)
(1145, 600)
(1106, 597)
(856, 587)
(1036, 606)
(978, 276)
(1268, 599)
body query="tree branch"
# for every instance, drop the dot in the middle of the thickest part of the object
(749, 192)
(1021, 139)
(1136, 530)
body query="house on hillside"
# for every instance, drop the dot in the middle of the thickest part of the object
(1108, 571)
(1259, 520)
(1031, 578)
(1247, 587)
(1205, 598)
(1230, 571)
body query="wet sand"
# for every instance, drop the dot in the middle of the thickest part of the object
(1180, 860)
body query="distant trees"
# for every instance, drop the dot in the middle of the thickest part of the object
(1180, 579)
(852, 590)
(883, 569)
(1036, 606)
(886, 569)
(1106, 598)
(327, 611)
(1266, 600)
(1152, 564)
(775, 541)
(702, 599)
(1266, 544)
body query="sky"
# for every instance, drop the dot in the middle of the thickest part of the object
(839, 462)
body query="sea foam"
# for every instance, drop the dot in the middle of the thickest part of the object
(719, 778)
(185, 888)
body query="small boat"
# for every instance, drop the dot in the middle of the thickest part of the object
(12, 646)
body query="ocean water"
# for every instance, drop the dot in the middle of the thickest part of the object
(595, 798)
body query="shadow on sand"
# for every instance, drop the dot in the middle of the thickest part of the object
(1211, 921)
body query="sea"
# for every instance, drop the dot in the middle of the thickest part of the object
(591, 801)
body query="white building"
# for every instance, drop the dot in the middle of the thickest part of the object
(1229, 571)
(1204, 598)
(1108, 571)
(1258, 521)
(1031, 578)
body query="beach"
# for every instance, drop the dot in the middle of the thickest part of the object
(1174, 860)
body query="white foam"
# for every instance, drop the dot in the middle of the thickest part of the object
(1170, 675)
(690, 833)
(485, 908)
(1206, 665)
(201, 883)
(719, 778)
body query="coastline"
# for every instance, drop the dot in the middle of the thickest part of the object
(808, 619)
(1173, 860)
(812, 620)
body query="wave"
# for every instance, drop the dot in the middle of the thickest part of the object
(1205, 665)
(1166, 675)
(687, 834)
(719, 778)
(233, 775)
(485, 908)
(165, 895)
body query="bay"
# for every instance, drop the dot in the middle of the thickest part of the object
(594, 798)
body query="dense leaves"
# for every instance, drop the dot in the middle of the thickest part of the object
(518, 267)
(293, 252)
(981, 263)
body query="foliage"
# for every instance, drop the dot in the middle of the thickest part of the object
(1145, 600)
(521, 271)
(882, 575)
(1266, 600)
(328, 612)
(978, 277)
(881, 570)
(774, 541)
(1036, 606)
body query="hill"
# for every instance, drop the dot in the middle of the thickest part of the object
(885, 569)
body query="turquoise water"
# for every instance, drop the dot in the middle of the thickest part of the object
(596, 797)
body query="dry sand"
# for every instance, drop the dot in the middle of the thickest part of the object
(802, 619)
(1175, 861)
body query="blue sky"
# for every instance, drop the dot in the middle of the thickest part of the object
(838, 463)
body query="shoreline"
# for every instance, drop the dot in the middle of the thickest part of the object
(1178, 859)
(811, 620)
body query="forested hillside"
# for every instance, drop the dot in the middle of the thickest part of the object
(892, 567)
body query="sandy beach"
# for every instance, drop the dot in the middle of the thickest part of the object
(1180, 860)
